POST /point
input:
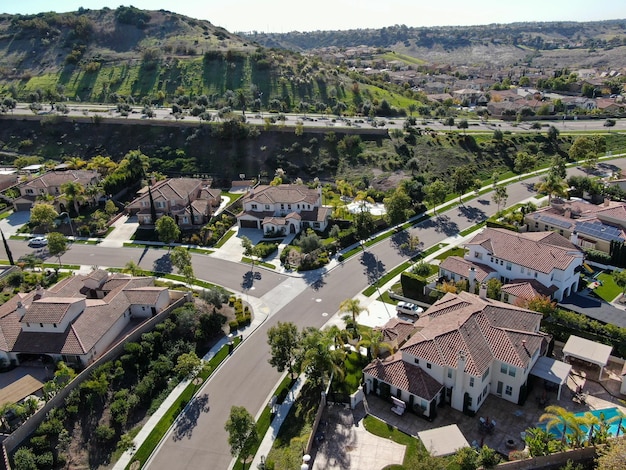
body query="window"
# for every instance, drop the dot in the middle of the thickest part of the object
(316, 225)
(267, 207)
(508, 390)
(508, 266)
(29, 191)
(492, 259)
(523, 269)
(501, 262)
(282, 206)
(469, 401)
(27, 324)
(41, 325)
(55, 325)
(512, 371)
(503, 368)
(429, 365)
(449, 373)
(478, 255)
(486, 374)
(471, 381)
(506, 297)
(417, 361)
(288, 206)
(254, 206)
(535, 273)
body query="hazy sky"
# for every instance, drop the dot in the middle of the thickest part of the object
(302, 15)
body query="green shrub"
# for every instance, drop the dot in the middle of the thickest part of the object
(233, 325)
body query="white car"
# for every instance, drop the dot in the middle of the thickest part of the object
(38, 242)
(408, 308)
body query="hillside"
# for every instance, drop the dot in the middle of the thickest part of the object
(548, 44)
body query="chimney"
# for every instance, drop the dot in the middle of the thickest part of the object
(472, 279)
(607, 202)
(568, 213)
(573, 238)
(39, 292)
(482, 292)
(21, 310)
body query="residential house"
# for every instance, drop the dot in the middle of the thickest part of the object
(77, 319)
(282, 209)
(549, 259)
(189, 201)
(49, 184)
(464, 347)
(589, 226)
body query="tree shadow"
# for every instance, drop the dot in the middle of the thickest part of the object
(373, 267)
(401, 243)
(188, 420)
(472, 214)
(442, 224)
(315, 278)
(163, 264)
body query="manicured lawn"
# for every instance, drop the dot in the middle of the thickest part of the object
(608, 290)
(456, 251)
(354, 364)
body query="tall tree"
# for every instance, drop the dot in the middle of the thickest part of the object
(352, 307)
(57, 245)
(463, 180)
(524, 162)
(397, 206)
(43, 214)
(153, 213)
(552, 185)
(284, 341)
(242, 433)
(167, 229)
(436, 193)
(500, 196)
(74, 193)
(559, 417)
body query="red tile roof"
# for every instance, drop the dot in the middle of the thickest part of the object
(405, 376)
(485, 329)
(285, 193)
(539, 251)
(461, 267)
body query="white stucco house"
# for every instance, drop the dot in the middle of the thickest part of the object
(548, 262)
(283, 209)
(77, 319)
(464, 347)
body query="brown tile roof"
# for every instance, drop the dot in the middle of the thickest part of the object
(178, 189)
(405, 376)
(485, 329)
(461, 266)
(396, 331)
(285, 193)
(57, 178)
(527, 289)
(540, 251)
(49, 310)
(143, 295)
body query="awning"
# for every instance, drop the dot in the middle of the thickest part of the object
(443, 441)
(19, 389)
(551, 370)
(587, 350)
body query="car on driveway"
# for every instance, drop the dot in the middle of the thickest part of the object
(408, 308)
(38, 242)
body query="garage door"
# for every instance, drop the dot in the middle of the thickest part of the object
(248, 223)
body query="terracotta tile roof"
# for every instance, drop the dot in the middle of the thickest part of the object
(461, 267)
(485, 329)
(539, 251)
(405, 376)
(396, 331)
(178, 189)
(49, 309)
(285, 193)
(527, 289)
(144, 295)
(58, 178)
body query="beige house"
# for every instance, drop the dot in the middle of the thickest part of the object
(463, 348)
(189, 201)
(77, 319)
(283, 209)
(587, 225)
(50, 184)
(547, 259)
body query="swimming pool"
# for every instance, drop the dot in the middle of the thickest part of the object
(607, 413)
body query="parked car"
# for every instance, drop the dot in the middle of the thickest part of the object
(408, 308)
(38, 242)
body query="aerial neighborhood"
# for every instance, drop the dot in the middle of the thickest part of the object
(401, 247)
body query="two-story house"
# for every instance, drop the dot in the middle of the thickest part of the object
(189, 201)
(590, 226)
(464, 347)
(50, 184)
(77, 319)
(282, 209)
(545, 258)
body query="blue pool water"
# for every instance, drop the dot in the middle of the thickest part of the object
(607, 413)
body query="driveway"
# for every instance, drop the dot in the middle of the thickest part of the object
(593, 307)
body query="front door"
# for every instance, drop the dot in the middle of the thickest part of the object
(499, 389)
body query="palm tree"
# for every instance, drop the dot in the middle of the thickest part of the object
(353, 307)
(557, 416)
(74, 193)
(373, 341)
(591, 420)
(132, 268)
(619, 417)
(552, 185)
(321, 357)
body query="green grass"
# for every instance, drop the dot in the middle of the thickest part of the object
(200, 251)
(608, 290)
(456, 251)
(257, 263)
(225, 238)
(86, 242)
(5, 214)
(472, 229)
